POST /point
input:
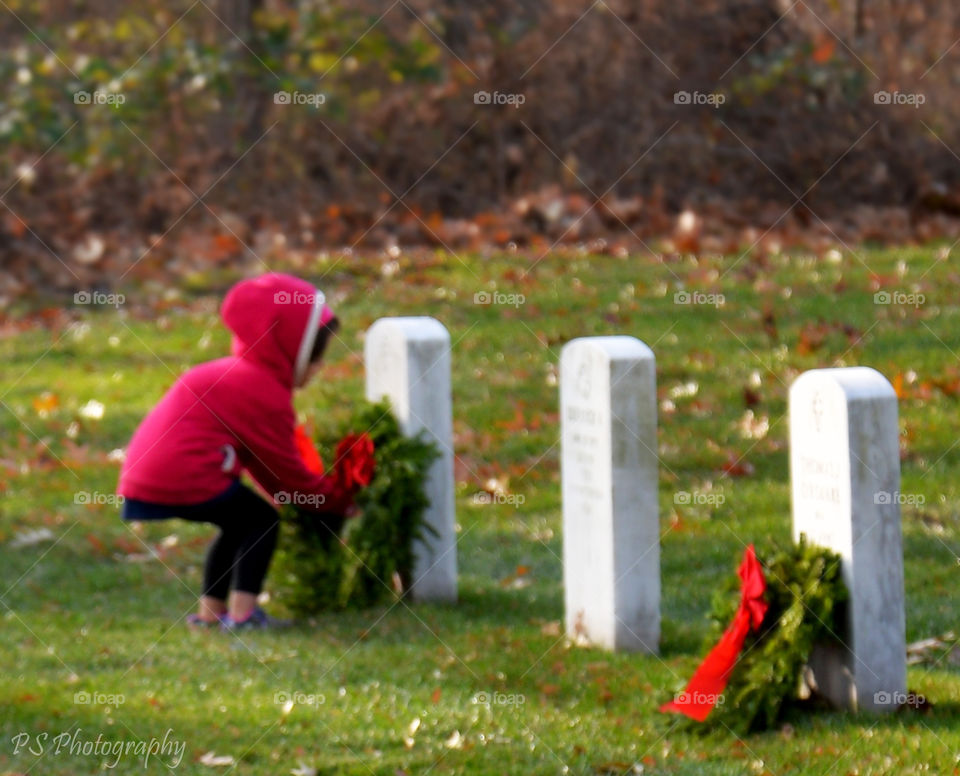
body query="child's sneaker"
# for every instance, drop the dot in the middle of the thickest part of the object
(258, 620)
(196, 621)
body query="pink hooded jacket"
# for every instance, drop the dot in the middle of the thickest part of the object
(236, 413)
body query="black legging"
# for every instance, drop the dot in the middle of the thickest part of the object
(239, 557)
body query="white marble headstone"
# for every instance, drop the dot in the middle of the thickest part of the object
(845, 483)
(408, 361)
(611, 532)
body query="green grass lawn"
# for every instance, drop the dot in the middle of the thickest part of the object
(394, 690)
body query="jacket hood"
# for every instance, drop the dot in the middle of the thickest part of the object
(274, 319)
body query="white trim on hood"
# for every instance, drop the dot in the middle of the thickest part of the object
(309, 337)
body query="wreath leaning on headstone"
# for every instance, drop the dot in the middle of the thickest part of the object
(327, 561)
(789, 601)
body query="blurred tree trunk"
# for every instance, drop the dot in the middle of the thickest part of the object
(242, 124)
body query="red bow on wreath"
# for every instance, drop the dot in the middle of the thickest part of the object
(708, 682)
(354, 458)
(355, 461)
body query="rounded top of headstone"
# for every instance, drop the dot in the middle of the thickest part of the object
(614, 347)
(856, 382)
(413, 327)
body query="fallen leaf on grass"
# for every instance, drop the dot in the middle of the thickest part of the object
(518, 580)
(618, 768)
(127, 546)
(98, 546)
(931, 651)
(92, 410)
(455, 741)
(812, 337)
(136, 557)
(948, 384)
(552, 628)
(898, 386)
(217, 760)
(45, 403)
(685, 390)
(28, 538)
(752, 426)
(737, 467)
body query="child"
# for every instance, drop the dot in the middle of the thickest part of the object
(232, 415)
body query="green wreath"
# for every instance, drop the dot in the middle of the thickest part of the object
(328, 562)
(806, 596)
